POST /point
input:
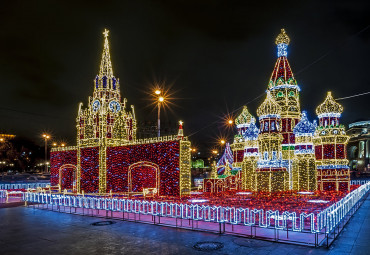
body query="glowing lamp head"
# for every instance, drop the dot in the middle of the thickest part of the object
(46, 136)
(157, 92)
(161, 99)
(230, 121)
(222, 141)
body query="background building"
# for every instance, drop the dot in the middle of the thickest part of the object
(359, 148)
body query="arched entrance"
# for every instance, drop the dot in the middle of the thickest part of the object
(67, 177)
(142, 175)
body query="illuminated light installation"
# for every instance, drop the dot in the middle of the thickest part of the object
(285, 91)
(227, 178)
(316, 221)
(243, 121)
(250, 158)
(281, 156)
(109, 158)
(304, 173)
(330, 142)
(224, 165)
(271, 171)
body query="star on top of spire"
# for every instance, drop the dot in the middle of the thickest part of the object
(106, 64)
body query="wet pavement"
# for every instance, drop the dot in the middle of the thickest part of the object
(31, 231)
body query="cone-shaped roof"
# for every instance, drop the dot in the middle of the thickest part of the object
(228, 155)
(329, 106)
(282, 73)
(269, 106)
(106, 64)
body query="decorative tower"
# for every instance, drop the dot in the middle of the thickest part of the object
(330, 142)
(271, 171)
(250, 157)
(243, 121)
(304, 173)
(180, 133)
(285, 91)
(105, 120)
(224, 165)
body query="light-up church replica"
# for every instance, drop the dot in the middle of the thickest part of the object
(109, 158)
(287, 151)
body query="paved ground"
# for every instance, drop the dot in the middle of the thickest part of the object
(31, 231)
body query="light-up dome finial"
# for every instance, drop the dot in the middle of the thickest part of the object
(282, 38)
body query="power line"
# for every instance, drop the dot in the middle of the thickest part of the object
(357, 95)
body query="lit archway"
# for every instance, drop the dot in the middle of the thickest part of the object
(68, 177)
(142, 175)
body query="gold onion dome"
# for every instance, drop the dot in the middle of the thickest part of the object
(329, 106)
(245, 117)
(269, 106)
(282, 38)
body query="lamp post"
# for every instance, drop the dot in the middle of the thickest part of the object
(159, 101)
(46, 137)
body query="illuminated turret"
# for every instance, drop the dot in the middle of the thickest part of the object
(304, 174)
(105, 121)
(330, 142)
(271, 171)
(285, 91)
(242, 122)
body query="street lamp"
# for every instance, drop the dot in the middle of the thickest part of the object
(160, 100)
(222, 141)
(46, 137)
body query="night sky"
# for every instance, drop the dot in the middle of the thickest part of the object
(214, 55)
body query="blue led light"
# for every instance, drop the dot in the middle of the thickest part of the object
(282, 50)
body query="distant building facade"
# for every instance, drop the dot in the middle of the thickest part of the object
(359, 147)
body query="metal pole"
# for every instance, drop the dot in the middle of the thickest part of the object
(159, 119)
(46, 153)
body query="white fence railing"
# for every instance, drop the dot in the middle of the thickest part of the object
(24, 185)
(315, 223)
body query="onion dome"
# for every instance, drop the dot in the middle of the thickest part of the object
(329, 106)
(252, 132)
(268, 107)
(282, 38)
(282, 74)
(245, 118)
(304, 127)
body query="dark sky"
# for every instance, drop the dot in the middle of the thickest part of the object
(218, 55)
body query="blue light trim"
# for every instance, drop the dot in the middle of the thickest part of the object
(251, 133)
(269, 116)
(333, 167)
(329, 114)
(282, 50)
(286, 86)
(304, 126)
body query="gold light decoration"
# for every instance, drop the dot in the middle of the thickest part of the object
(244, 117)
(282, 38)
(269, 106)
(329, 106)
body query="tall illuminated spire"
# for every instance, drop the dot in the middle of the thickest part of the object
(282, 73)
(106, 64)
